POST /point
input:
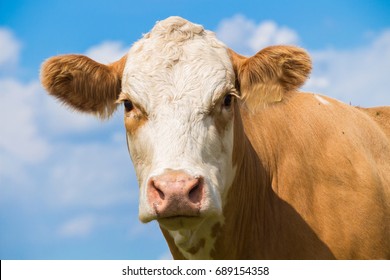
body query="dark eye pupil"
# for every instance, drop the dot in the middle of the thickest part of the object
(128, 105)
(228, 100)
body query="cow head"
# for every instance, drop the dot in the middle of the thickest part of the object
(182, 90)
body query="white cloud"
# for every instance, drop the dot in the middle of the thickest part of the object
(359, 75)
(107, 52)
(93, 175)
(81, 226)
(268, 33)
(247, 37)
(22, 146)
(235, 32)
(58, 119)
(19, 131)
(10, 48)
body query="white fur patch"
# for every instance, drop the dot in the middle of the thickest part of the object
(179, 73)
(186, 240)
(321, 99)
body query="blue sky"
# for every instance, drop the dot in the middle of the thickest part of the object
(67, 186)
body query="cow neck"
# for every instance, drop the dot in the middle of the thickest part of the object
(244, 211)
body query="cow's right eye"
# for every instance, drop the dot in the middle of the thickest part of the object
(128, 105)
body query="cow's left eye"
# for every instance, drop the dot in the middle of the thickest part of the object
(228, 100)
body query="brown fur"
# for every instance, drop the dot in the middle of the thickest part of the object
(381, 115)
(83, 83)
(308, 186)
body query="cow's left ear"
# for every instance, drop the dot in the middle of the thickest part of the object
(269, 74)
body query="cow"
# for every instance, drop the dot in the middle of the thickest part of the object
(232, 160)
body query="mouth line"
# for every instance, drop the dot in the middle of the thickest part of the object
(180, 222)
(170, 218)
(190, 214)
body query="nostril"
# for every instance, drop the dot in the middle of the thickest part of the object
(154, 191)
(195, 194)
(160, 193)
(193, 190)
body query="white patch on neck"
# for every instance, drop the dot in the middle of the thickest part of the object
(188, 239)
(321, 99)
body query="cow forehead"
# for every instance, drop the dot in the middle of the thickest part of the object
(177, 60)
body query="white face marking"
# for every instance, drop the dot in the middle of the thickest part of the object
(321, 99)
(179, 79)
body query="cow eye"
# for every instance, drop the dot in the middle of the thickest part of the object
(227, 101)
(128, 105)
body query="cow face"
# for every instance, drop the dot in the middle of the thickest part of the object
(177, 85)
(178, 93)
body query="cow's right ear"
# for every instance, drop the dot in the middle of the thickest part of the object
(83, 83)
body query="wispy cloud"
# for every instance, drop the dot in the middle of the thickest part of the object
(247, 37)
(20, 142)
(359, 75)
(107, 52)
(81, 226)
(20, 137)
(10, 48)
(91, 175)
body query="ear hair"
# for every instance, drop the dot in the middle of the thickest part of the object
(83, 83)
(266, 76)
